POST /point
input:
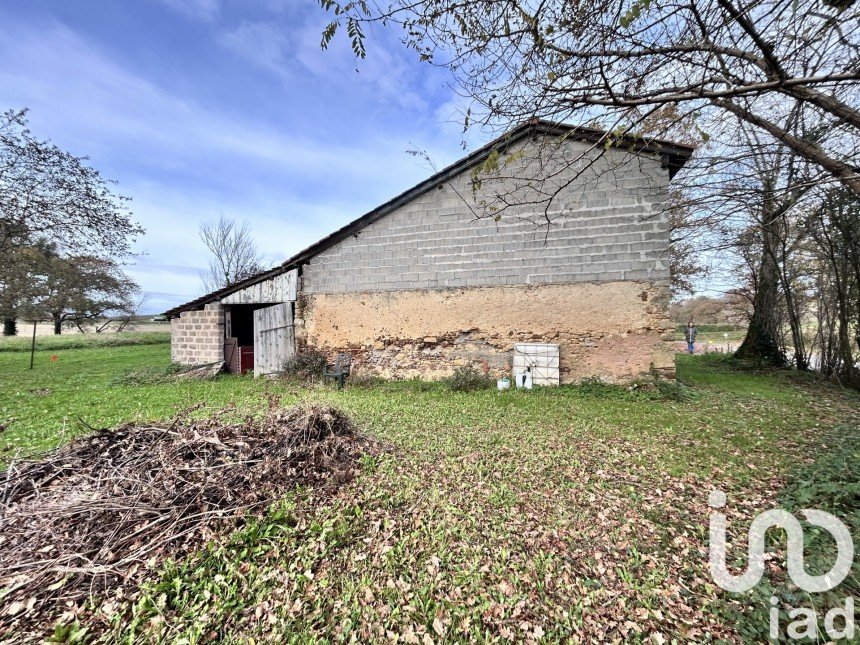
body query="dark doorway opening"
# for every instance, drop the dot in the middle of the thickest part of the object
(239, 341)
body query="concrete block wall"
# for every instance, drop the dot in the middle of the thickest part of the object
(197, 337)
(604, 223)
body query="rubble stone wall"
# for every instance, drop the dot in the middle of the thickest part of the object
(615, 331)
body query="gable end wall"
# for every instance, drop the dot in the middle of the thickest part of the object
(430, 287)
(607, 225)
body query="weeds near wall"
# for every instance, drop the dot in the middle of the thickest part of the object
(672, 390)
(363, 379)
(468, 379)
(307, 365)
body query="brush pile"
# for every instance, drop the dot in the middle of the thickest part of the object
(89, 516)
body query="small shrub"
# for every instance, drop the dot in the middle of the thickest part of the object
(673, 390)
(593, 386)
(307, 365)
(468, 379)
(667, 389)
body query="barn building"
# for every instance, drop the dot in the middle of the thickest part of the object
(568, 277)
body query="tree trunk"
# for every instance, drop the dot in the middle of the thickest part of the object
(762, 339)
(792, 308)
(10, 327)
(845, 350)
(761, 342)
(58, 323)
(796, 324)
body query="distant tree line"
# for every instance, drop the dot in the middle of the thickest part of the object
(729, 310)
(64, 234)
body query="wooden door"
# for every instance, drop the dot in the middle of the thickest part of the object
(273, 338)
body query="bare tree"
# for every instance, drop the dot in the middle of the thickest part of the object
(615, 64)
(773, 192)
(834, 227)
(126, 319)
(234, 253)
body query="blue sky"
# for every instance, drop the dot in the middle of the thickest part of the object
(203, 107)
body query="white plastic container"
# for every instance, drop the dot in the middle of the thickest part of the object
(503, 384)
(541, 359)
(524, 380)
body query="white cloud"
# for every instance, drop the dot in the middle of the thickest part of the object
(259, 43)
(296, 57)
(384, 72)
(108, 111)
(297, 160)
(206, 10)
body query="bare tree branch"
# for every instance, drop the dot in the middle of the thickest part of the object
(234, 253)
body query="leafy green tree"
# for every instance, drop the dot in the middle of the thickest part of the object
(54, 204)
(50, 194)
(20, 284)
(39, 283)
(83, 289)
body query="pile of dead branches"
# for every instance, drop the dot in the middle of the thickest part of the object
(89, 516)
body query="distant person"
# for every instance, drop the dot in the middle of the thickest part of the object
(690, 336)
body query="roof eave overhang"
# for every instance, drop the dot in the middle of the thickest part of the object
(673, 157)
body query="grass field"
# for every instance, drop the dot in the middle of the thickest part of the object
(571, 513)
(23, 343)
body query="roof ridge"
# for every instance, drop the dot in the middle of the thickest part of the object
(678, 154)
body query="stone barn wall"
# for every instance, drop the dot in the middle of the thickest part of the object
(430, 286)
(197, 337)
(613, 330)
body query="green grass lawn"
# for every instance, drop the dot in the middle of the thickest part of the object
(24, 343)
(569, 513)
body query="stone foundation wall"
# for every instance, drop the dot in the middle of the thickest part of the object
(197, 337)
(613, 330)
